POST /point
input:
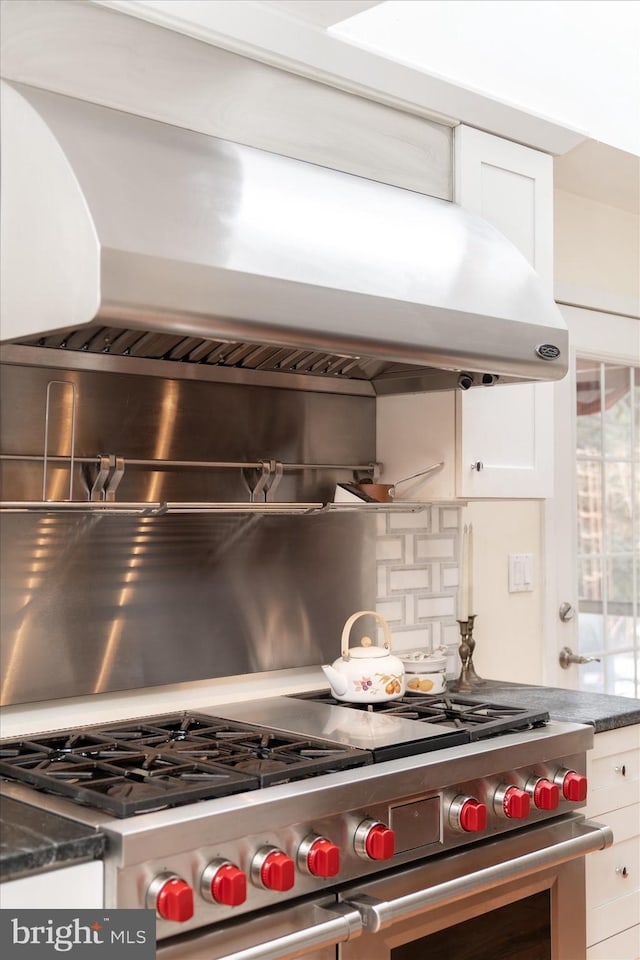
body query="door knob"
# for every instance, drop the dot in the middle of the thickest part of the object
(567, 657)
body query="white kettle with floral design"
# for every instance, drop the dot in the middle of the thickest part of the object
(368, 673)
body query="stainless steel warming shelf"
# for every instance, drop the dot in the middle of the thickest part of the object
(110, 469)
(153, 509)
(161, 509)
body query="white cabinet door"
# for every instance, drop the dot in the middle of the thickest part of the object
(80, 887)
(505, 442)
(507, 431)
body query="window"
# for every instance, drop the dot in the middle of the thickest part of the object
(608, 503)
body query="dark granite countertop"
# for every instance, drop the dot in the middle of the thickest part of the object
(602, 711)
(33, 840)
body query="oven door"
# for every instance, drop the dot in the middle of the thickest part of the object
(521, 897)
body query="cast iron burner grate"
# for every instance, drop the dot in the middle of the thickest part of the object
(167, 761)
(478, 720)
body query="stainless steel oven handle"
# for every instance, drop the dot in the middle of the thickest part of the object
(345, 923)
(377, 914)
(326, 934)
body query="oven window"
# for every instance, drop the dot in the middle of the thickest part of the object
(519, 931)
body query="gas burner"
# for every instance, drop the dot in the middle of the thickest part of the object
(478, 720)
(167, 761)
(117, 779)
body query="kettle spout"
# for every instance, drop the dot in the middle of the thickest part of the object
(337, 680)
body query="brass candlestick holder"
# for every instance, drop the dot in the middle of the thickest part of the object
(468, 679)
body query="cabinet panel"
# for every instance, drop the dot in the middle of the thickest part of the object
(78, 887)
(610, 742)
(508, 202)
(508, 429)
(614, 771)
(511, 186)
(606, 880)
(412, 432)
(624, 946)
(612, 918)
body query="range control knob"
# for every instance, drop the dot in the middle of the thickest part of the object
(171, 897)
(319, 857)
(273, 869)
(572, 784)
(468, 814)
(544, 793)
(374, 841)
(511, 802)
(222, 882)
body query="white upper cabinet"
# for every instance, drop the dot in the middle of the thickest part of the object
(505, 434)
(511, 186)
(503, 446)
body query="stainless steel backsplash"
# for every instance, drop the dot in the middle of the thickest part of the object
(94, 603)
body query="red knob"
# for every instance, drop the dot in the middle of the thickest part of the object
(546, 795)
(229, 885)
(323, 858)
(174, 900)
(380, 843)
(516, 803)
(278, 871)
(473, 816)
(574, 786)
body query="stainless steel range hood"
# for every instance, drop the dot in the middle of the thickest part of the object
(123, 235)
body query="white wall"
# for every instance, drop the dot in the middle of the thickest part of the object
(509, 628)
(597, 254)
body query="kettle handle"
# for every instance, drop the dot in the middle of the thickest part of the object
(346, 631)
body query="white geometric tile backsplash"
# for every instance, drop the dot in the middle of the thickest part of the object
(417, 566)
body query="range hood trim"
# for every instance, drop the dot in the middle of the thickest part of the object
(414, 286)
(58, 358)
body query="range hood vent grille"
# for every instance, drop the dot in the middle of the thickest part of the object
(148, 345)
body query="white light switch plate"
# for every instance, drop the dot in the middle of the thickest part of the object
(520, 572)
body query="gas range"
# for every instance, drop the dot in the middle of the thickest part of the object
(228, 810)
(163, 761)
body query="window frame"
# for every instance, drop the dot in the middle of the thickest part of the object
(603, 337)
(605, 606)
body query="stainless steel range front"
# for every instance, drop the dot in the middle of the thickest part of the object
(258, 829)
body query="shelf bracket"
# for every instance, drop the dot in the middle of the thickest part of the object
(257, 487)
(276, 470)
(116, 473)
(96, 476)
